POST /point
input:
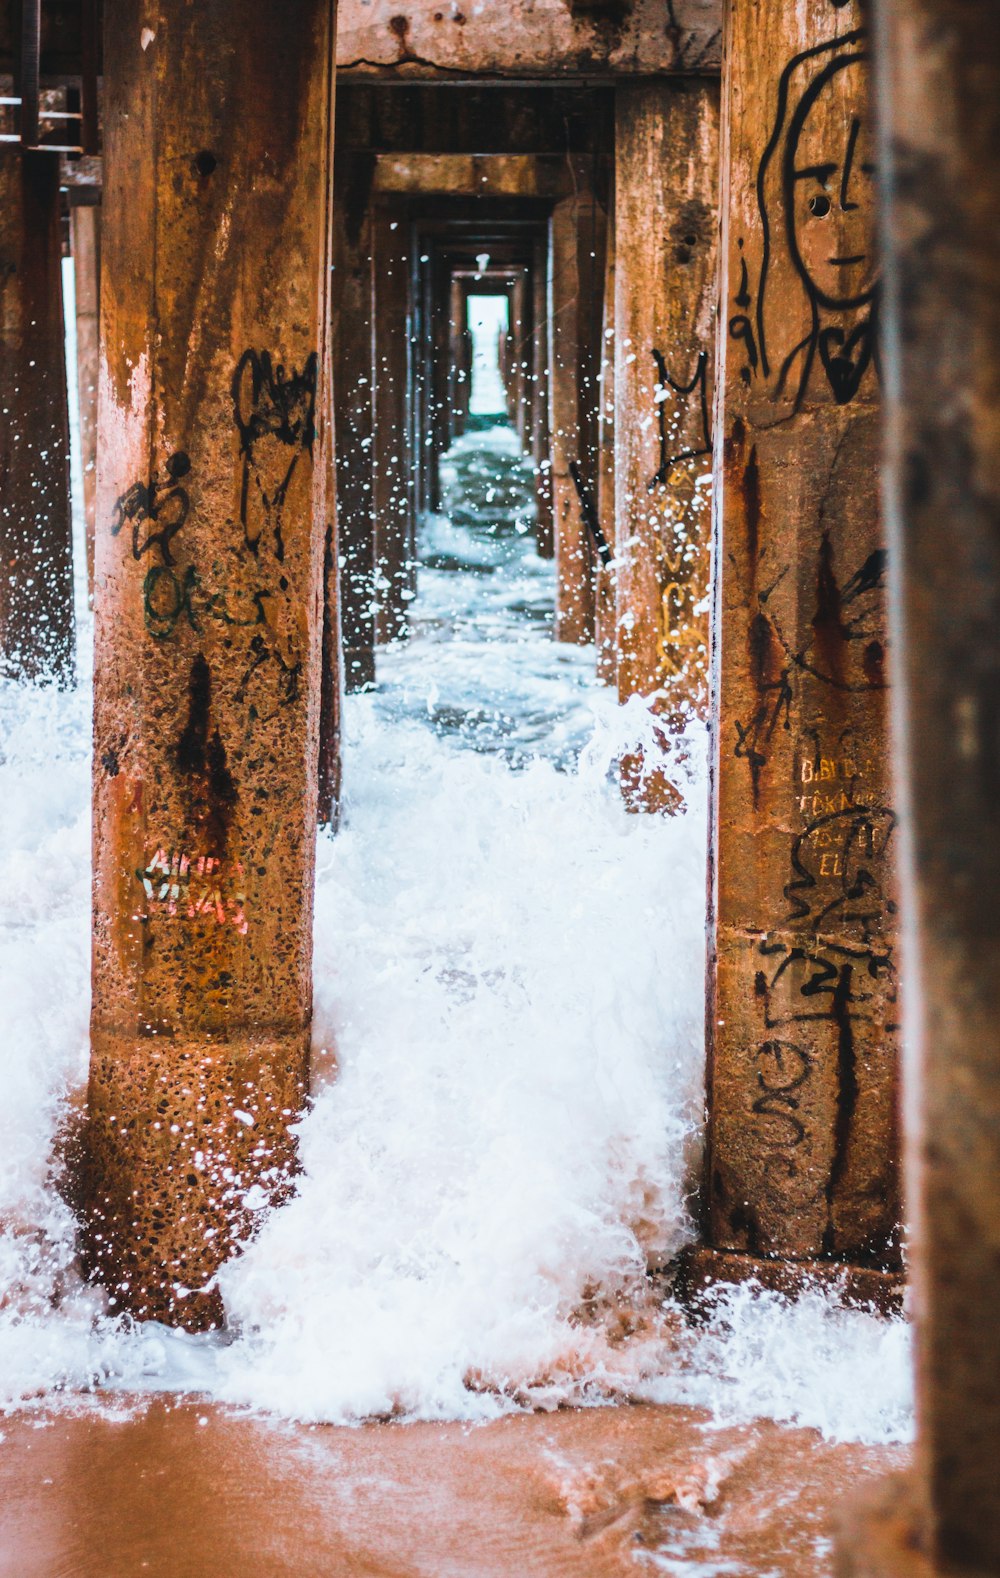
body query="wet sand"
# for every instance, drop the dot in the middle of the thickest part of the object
(185, 1490)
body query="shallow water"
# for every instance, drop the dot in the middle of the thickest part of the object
(583, 1493)
(508, 1056)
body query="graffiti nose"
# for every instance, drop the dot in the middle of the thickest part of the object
(845, 179)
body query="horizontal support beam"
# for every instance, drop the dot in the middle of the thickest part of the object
(413, 40)
(443, 40)
(473, 175)
(381, 116)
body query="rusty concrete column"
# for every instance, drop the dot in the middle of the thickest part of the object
(434, 289)
(518, 354)
(541, 449)
(576, 274)
(938, 101)
(85, 243)
(666, 185)
(212, 516)
(331, 684)
(803, 1010)
(353, 406)
(605, 610)
(393, 479)
(36, 550)
(460, 358)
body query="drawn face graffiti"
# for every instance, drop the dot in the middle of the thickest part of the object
(828, 180)
(816, 200)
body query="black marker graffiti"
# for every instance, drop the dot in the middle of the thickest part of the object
(841, 639)
(168, 596)
(851, 990)
(275, 415)
(740, 325)
(770, 678)
(698, 384)
(787, 1068)
(588, 510)
(166, 505)
(815, 193)
(288, 676)
(851, 849)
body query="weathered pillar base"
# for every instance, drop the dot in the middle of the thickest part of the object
(882, 1533)
(701, 1268)
(177, 1134)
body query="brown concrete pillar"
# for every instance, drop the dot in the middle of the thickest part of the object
(460, 358)
(541, 447)
(393, 479)
(85, 242)
(36, 551)
(519, 338)
(605, 610)
(435, 357)
(353, 405)
(331, 684)
(332, 687)
(803, 1009)
(666, 185)
(938, 80)
(576, 274)
(213, 509)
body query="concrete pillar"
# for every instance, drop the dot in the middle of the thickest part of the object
(576, 274)
(332, 684)
(353, 406)
(85, 242)
(666, 185)
(517, 350)
(213, 510)
(803, 1004)
(36, 555)
(435, 355)
(541, 448)
(460, 358)
(393, 471)
(938, 80)
(605, 611)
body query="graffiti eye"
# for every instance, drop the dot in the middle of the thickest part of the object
(819, 205)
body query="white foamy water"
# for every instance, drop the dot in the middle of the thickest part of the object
(508, 1059)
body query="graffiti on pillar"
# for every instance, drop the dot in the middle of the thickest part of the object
(684, 436)
(694, 392)
(286, 676)
(770, 676)
(170, 596)
(163, 505)
(275, 414)
(180, 885)
(842, 868)
(823, 1009)
(815, 195)
(821, 617)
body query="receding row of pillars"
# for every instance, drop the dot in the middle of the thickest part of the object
(760, 365)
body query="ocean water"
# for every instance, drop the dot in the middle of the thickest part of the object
(505, 1125)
